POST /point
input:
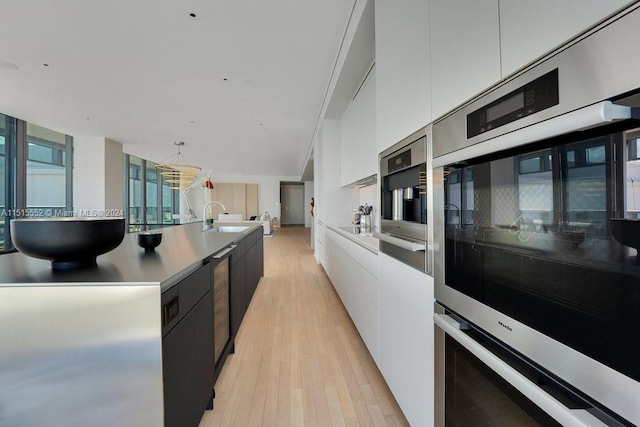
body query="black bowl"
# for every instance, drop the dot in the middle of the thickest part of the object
(149, 240)
(626, 231)
(69, 242)
(573, 237)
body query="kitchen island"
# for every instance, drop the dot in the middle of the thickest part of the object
(84, 347)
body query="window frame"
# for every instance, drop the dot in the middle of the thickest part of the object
(159, 220)
(15, 156)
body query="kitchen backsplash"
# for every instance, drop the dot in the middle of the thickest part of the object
(370, 195)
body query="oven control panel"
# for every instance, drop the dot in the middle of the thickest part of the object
(537, 95)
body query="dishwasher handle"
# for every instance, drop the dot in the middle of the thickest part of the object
(223, 253)
(402, 243)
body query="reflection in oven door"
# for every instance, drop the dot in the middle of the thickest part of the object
(482, 382)
(532, 236)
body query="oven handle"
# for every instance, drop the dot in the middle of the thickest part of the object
(584, 118)
(404, 244)
(555, 409)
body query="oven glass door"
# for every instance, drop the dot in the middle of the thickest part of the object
(476, 396)
(530, 233)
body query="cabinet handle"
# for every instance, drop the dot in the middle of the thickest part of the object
(224, 252)
(171, 310)
(555, 409)
(404, 244)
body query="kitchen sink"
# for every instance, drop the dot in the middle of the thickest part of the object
(227, 229)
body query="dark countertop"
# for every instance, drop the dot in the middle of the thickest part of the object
(181, 252)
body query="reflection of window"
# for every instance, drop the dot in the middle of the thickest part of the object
(585, 189)
(632, 178)
(454, 177)
(634, 149)
(535, 164)
(535, 186)
(595, 155)
(581, 169)
(460, 196)
(586, 153)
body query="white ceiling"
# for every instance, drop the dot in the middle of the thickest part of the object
(242, 83)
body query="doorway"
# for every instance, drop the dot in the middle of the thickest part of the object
(292, 203)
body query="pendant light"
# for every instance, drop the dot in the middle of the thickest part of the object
(177, 170)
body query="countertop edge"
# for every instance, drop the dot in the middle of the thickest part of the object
(370, 243)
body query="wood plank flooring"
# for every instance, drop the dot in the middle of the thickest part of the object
(299, 360)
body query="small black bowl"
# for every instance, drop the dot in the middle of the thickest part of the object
(149, 240)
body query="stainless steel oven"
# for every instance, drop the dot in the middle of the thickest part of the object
(403, 200)
(535, 207)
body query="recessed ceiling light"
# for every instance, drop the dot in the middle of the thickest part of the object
(8, 65)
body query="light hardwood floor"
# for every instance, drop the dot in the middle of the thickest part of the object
(299, 360)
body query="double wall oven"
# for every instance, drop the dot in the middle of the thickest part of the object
(404, 213)
(537, 232)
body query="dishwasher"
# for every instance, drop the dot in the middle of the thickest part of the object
(223, 342)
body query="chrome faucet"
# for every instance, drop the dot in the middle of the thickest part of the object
(204, 213)
(448, 209)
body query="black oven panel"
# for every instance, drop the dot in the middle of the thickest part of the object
(535, 96)
(399, 161)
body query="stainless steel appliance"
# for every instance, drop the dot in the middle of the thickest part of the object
(527, 179)
(403, 202)
(223, 341)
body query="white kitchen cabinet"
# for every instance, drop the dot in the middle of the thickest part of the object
(319, 247)
(406, 338)
(403, 99)
(465, 50)
(353, 272)
(529, 29)
(358, 149)
(337, 269)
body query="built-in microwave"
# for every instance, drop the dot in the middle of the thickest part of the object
(403, 200)
(536, 217)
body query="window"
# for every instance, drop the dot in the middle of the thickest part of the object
(150, 200)
(7, 139)
(47, 189)
(35, 173)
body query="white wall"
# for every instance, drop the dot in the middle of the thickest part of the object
(97, 173)
(334, 203)
(113, 175)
